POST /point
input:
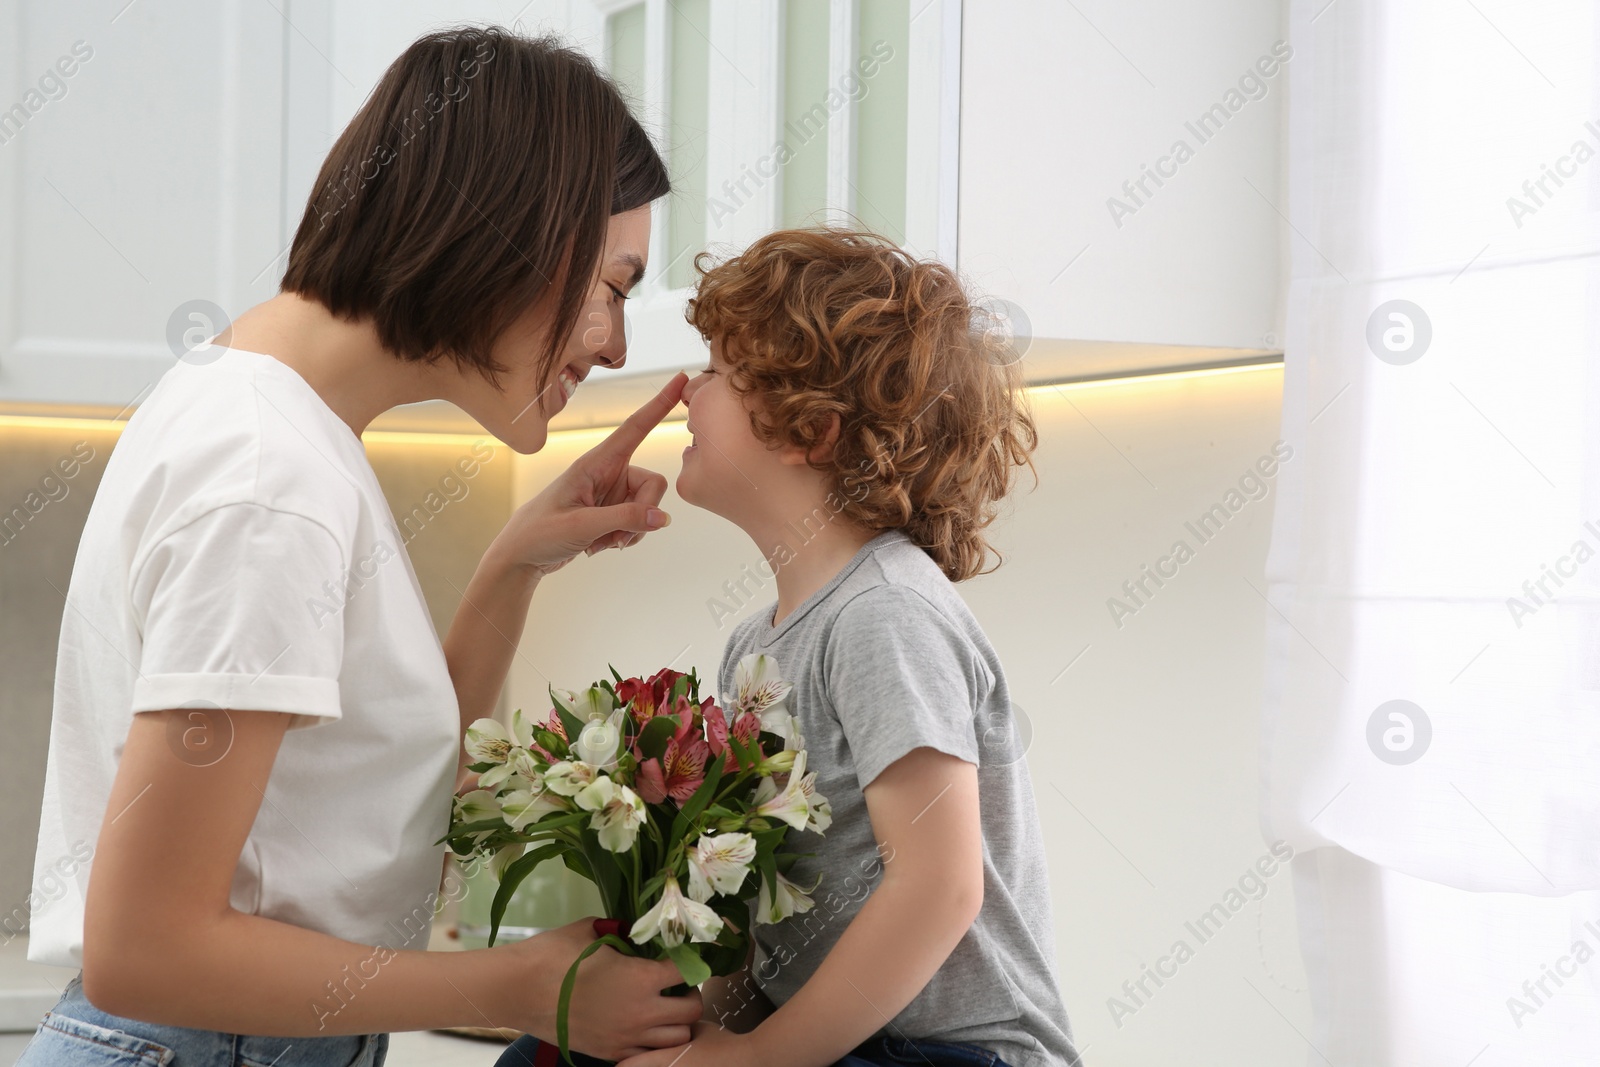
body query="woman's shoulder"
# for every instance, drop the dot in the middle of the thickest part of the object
(233, 432)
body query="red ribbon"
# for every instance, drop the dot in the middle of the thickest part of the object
(602, 927)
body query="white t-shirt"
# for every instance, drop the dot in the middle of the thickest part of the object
(239, 554)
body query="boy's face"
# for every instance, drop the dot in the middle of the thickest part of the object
(725, 464)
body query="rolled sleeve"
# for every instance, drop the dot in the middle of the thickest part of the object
(901, 676)
(242, 609)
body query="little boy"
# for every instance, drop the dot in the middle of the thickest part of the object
(853, 421)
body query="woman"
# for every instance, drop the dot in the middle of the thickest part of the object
(256, 730)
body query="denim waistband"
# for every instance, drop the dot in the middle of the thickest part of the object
(74, 1025)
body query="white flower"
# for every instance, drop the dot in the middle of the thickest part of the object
(718, 864)
(505, 856)
(790, 899)
(475, 806)
(676, 918)
(758, 687)
(488, 741)
(793, 805)
(568, 776)
(618, 812)
(523, 806)
(821, 811)
(519, 764)
(600, 740)
(592, 703)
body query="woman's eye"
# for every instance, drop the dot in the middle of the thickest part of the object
(619, 293)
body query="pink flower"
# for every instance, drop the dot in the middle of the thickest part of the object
(680, 770)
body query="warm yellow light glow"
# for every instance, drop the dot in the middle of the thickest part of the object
(466, 440)
(1160, 377)
(54, 422)
(424, 437)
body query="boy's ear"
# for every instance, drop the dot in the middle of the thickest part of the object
(820, 452)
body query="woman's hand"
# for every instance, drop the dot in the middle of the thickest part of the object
(617, 1008)
(601, 501)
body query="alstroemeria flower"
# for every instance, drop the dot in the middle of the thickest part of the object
(569, 776)
(521, 807)
(757, 686)
(598, 744)
(821, 810)
(519, 764)
(488, 741)
(680, 770)
(790, 806)
(789, 899)
(799, 804)
(718, 863)
(618, 812)
(677, 919)
(475, 806)
(505, 856)
(592, 703)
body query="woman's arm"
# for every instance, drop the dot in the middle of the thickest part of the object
(601, 501)
(163, 944)
(484, 636)
(924, 811)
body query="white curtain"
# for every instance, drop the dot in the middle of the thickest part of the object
(1431, 737)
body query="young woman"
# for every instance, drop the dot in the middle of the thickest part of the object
(256, 729)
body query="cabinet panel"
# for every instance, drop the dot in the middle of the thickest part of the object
(148, 177)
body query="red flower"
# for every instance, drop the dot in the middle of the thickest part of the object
(680, 770)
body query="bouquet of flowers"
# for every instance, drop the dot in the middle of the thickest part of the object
(665, 801)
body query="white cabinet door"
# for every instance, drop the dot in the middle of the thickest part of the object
(1077, 204)
(141, 170)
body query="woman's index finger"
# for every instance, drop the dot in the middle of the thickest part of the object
(636, 427)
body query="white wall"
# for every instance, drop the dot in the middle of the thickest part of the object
(1144, 751)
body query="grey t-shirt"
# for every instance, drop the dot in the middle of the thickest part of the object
(884, 659)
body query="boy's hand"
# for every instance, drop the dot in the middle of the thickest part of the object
(600, 501)
(710, 1046)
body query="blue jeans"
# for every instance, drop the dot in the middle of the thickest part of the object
(75, 1033)
(873, 1052)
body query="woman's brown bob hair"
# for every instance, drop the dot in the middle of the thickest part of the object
(824, 324)
(481, 171)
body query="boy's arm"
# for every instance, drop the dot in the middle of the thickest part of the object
(924, 811)
(735, 1002)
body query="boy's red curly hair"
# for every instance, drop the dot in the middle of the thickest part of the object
(822, 322)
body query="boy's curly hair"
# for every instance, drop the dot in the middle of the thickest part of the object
(822, 322)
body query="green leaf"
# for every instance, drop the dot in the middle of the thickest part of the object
(769, 871)
(614, 673)
(603, 872)
(655, 735)
(518, 870)
(564, 1000)
(570, 722)
(690, 965)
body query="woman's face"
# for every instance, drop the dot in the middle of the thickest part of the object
(520, 414)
